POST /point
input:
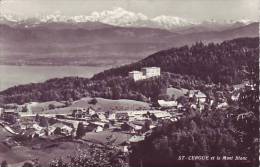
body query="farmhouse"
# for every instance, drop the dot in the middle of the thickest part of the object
(83, 112)
(198, 95)
(146, 72)
(64, 129)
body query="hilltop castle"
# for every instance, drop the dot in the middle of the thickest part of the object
(146, 72)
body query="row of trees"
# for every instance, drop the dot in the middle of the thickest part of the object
(74, 88)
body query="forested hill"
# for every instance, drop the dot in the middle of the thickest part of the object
(186, 67)
(224, 62)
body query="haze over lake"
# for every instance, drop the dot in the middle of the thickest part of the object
(17, 75)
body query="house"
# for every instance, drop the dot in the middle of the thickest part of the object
(149, 72)
(1, 111)
(91, 111)
(97, 126)
(235, 96)
(201, 97)
(180, 106)
(134, 128)
(65, 129)
(79, 113)
(29, 133)
(162, 115)
(37, 127)
(198, 95)
(141, 114)
(11, 116)
(112, 116)
(102, 116)
(193, 106)
(222, 105)
(40, 131)
(168, 104)
(122, 116)
(145, 73)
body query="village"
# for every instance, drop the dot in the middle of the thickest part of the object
(118, 127)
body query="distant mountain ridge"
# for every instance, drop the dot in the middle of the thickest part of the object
(120, 17)
(95, 43)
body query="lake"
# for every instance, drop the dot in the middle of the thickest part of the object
(16, 75)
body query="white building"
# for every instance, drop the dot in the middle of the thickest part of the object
(139, 114)
(136, 75)
(146, 72)
(1, 111)
(151, 71)
(201, 97)
(29, 108)
(164, 103)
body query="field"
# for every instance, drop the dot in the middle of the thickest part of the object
(101, 105)
(115, 138)
(17, 154)
(176, 92)
(50, 150)
(111, 105)
(20, 154)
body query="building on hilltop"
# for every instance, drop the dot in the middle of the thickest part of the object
(146, 72)
(136, 75)
(151, 71)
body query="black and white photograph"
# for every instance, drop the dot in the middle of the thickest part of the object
(129, 83)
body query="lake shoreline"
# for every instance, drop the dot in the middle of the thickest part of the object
(13, 75)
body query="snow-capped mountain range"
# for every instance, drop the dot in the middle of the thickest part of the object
(116, 17)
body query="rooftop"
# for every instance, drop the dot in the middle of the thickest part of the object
(135, 72)
(150, 67)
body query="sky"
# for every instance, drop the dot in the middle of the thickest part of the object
(197, 10)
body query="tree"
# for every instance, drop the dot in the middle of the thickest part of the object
(57, 131)
(80, 130)
(183, 100)
(163, 97)
(51, 106)
(44, 122)
(93, 101)
(37, 117)
(146, 126)
(27, 164)
(4, 164)
(125, 127)
(153, 117)
(24, 109)
(173, 98)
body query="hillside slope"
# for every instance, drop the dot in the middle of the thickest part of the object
(223, 62)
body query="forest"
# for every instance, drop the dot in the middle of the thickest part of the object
(74, 88)
(224, 62)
